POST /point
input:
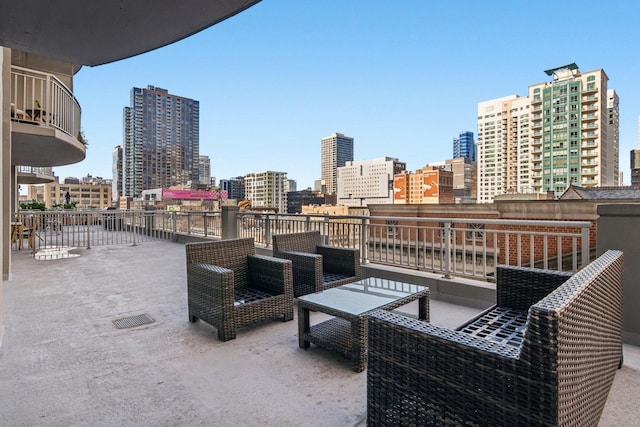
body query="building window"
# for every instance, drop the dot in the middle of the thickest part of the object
(476, 231)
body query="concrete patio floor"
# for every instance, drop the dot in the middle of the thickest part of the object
(63, 363)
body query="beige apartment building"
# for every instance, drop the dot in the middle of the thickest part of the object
(267, 190)
(503, 147)
(565, 131)
(87, 196)
(336, 150)
(368, 181)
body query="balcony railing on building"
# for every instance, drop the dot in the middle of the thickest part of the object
(41, 99)
(36, 170)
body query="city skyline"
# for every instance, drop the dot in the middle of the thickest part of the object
(401, 79)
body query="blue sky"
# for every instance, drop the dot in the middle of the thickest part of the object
(403, 78)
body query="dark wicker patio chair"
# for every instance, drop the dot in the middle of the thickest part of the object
(229, 286)
(552, 364)
(315, 266)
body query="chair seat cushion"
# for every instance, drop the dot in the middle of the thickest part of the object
(503, 325)
(248, 295)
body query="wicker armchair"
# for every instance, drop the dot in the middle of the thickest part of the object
(550, 365)
(229, 286)
(315, 266)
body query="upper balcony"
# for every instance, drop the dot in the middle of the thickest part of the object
(35, 175)
(45, 120)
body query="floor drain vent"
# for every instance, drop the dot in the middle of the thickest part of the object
(133, 321)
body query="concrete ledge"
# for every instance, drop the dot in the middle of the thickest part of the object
(190, 238)
(461, 291)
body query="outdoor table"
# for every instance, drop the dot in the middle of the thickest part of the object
(346, 332)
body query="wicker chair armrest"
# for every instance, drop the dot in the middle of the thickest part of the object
(381, 322)
(340, 260)
(216, 281)
(271, 274)
(302, 260)
(521, 287)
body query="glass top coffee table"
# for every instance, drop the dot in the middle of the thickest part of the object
(346, 332)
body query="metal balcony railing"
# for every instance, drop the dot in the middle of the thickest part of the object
(462, 247)
(36, 170)
(41, 99)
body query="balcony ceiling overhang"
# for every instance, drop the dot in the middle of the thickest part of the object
(44, 146)
(91, 32)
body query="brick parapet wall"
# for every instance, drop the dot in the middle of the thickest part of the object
(544, 210)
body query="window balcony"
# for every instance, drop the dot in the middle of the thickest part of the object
(45, 120)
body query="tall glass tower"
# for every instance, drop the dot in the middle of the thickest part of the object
(336, 151)
(464, 146)
(161, 140)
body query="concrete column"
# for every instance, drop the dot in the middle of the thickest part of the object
(228, 219)
(5, 167)
(619, 228)
(5, 174)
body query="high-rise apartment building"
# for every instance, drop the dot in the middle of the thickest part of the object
(464, 146)
(267, 190)
(204, 170)
(367, 181)
(161, 140)
(565, 131)
(116, 171)
(336, 151)
(503, 147)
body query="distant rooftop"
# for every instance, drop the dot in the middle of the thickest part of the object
(601, 193)
(552, 71)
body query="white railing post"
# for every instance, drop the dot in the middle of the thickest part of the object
(267, 230)
(364, 244)
(586, 246)
(133, 227)
(174, 218)
(447, 250)
(88, 233)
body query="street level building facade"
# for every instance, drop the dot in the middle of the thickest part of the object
(336, 151)
(161, 140)
(565, 131)
(367, 181)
